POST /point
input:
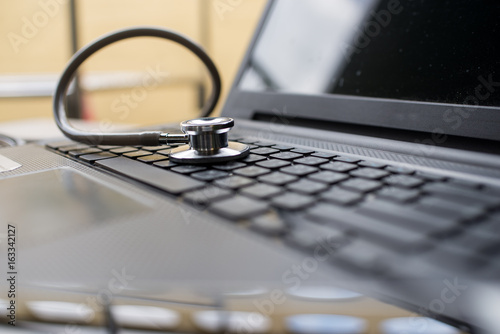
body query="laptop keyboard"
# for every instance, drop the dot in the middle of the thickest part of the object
(373, 213)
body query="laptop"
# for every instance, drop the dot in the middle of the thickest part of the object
(374, 167)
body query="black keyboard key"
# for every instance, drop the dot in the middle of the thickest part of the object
(137, 154)
(369, 173)
(307, 187)
(283, 147)
(328, 177)
(371, 164)
(206, 195)
(252, 171)
(264, 151)
(107, 147)
(492, 270)
(361, 185)
(404, 181)
(84, 151)
(96, 156)
(465, 183)
(277, 178)
(264, 143)
(442, 207)
(377, 231)
(247, 140)
(286, 156)
(254, 158)
(165, 164)
(337, 166)
(346, 159)
(209, 175)
(430, 176)
(292, 201)
(311, 161)
(489, 228)
(302, 151)
(123, 149)
(323, 155)
(238, 207)
(299, 170)
(229, 166)
(462, 195)
(408, 217)
(269, 224)
(58, 144)
(76, 147)
(234, 182)
(366, 256)
(187, 169)
(165, 151)
(311, 236)
(155, 148)
(273, 163)
(166, 180)
(460, 260)
(152, 158)
(400, 170)
(474, 242)
(341, 196)
(398, 194)
(262, 191)
(491, 190)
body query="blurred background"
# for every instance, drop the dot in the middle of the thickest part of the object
(137, 81)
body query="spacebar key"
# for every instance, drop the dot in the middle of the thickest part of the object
(369, 229)
(168, 181)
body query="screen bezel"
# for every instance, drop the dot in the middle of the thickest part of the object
(483, 122)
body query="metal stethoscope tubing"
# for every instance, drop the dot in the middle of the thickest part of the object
(147, 138)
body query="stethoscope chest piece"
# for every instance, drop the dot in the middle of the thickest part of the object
(208, 142)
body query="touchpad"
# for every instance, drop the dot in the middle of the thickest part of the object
(48, 205)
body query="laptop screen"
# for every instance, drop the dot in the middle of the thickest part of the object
(426, 50)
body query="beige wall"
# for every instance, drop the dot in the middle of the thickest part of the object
(35, 39)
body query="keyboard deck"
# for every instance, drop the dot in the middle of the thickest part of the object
(370, 214)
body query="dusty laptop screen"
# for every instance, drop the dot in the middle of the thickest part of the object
(432, 51)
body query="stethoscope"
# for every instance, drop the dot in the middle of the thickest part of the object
(206, 138)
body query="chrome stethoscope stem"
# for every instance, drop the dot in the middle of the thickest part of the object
(173, 138)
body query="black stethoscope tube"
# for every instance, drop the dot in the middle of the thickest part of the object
(149, 138)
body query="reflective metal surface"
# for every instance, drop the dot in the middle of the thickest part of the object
(208, 142)
(184, 154)
(207, 124)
